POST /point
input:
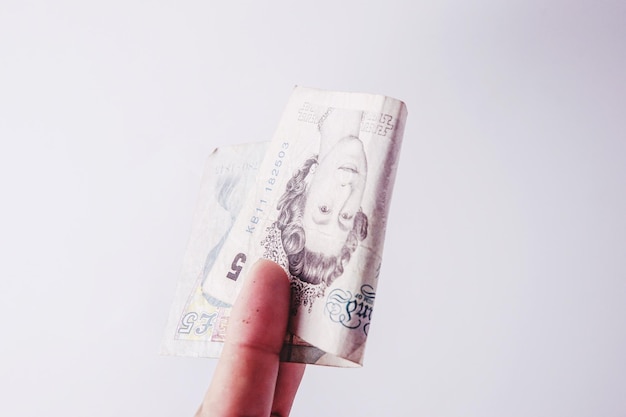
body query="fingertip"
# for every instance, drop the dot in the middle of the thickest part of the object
(264, 299)
(267, 277)
(269, 270)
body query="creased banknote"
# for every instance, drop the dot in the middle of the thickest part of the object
(315, 200)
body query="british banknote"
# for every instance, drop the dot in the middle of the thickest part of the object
(314, 199)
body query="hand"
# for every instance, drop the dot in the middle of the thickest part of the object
(249, 379)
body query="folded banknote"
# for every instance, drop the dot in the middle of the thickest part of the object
(315, 200)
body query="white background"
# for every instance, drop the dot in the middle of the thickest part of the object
(503, 287)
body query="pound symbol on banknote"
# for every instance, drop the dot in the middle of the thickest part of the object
(236, 266)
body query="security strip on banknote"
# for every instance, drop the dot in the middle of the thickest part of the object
(315, 200)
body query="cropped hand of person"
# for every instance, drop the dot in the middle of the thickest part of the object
(249, 379)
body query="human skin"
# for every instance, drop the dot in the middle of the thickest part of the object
(249, 379)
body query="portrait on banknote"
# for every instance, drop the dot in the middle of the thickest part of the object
(320, 221)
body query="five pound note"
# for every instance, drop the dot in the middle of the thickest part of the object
(315, 200)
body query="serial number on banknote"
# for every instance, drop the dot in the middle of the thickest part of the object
(269, 187)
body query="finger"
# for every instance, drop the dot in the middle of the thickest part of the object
(289, 377)
(246, 374)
